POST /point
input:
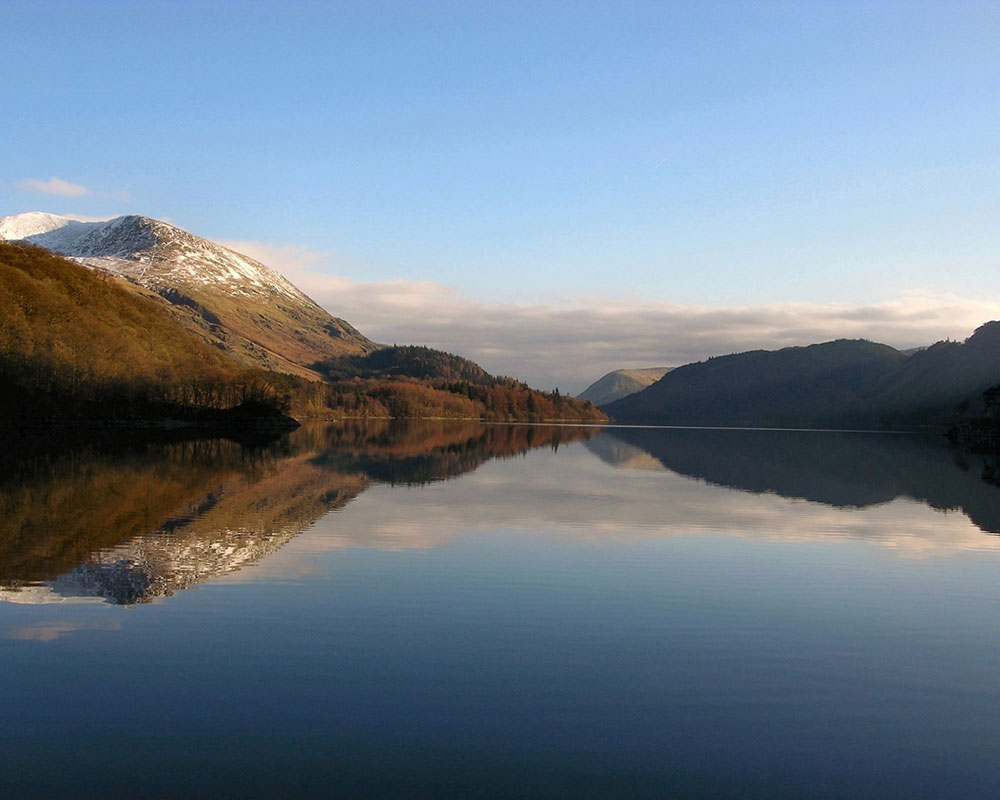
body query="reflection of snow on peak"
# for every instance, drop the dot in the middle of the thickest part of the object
(223, 508)
(39, 594)
(157, 565)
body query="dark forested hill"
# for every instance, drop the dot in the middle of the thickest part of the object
(409, 361)
(933, 381)
(793, 386)
(840, 383)
(416, 381)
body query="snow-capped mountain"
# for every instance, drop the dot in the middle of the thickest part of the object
(151, 252)
(230, 299)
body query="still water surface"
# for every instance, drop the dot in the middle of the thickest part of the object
(455, 610)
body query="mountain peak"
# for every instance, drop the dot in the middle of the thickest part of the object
(986, 335)
(621, 383)
(235, 302)
(150, 252)
(50, 231)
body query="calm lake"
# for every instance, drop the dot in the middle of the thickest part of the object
(462, 610)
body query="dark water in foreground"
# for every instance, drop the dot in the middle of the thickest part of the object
(454, 610)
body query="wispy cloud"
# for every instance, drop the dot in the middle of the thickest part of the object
(53, 186)
(89, 217)
(571, 342)
(286, 258)
(43, 631)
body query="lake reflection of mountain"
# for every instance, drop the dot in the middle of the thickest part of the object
(132, 524)
(836, 468)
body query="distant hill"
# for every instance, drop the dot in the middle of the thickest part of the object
(409, 361)
(416, 381)
(793, 386)
(621, 383)
(229, 300)
(840, 383)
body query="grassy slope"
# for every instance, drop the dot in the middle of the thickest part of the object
(266, 335)
(75, 342)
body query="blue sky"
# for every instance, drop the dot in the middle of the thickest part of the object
(564, 156)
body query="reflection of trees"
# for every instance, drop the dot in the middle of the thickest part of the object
(420, 451)
(839, 469)
(134, 522)
(59, 509)
(991, 468)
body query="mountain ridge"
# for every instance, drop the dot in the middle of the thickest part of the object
(229, 300)
(846, 382)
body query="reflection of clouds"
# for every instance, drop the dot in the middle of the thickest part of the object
(39, 595)
(572, 496)
(399, 535)
(43, 632)
(51, 630)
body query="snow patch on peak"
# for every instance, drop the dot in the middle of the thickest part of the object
(33, 223)
(51, 231)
